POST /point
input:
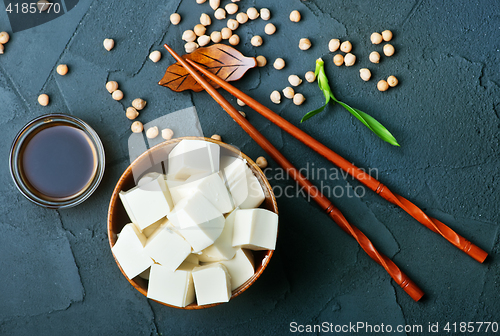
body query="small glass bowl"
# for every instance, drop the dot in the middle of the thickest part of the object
(25, 135)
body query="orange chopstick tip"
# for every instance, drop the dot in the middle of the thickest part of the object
(477, 253)
(412, 290)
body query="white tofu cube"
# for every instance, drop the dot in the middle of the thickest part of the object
(129, 251)
(255, 229)
(198, 221)
(167, 247)
(192, 157)
(212, 284)
(147, 203)
(148, 231)
(211, 186)
(222, 248)
(240, 268)
(149, 177)
(175, 288)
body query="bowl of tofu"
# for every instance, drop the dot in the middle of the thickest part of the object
(192, 223)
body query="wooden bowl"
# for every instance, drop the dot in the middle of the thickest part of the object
(151, 160)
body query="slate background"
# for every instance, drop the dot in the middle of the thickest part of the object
(58, 274)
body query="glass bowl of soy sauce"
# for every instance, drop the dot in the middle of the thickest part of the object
(57, 161)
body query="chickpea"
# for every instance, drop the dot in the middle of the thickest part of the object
(220, 14)
(216, 36)
(295, 16)
(349, 59)
(382, 85)
(240, 102)
(167, 133)
(279, 63)
(234, 39)
(365, 74)
(205, 19)
(139, 103)
(190, 47)
(388, 50)
(294, 80)
(117, 95)
(136, 127)
(226, 33)
(392, 81)
(214, 4)
(374, 57)
(304, 44)
(200, 1)
(265, 14)
(261, 61)
(288, 92)
(203, 40)
(108, 44)
(241, 18)
(131, 113)
(42, 5)
(310, 76)
(43, 99)
(2, 48)
(261, 162)
(155, 56)
(256, 41)
(346, 46)
(199, 29)
(334, 45)
(376, 38)
(338, 60)
(189, 36)
(4, 37)
(387, 35)
(252, 13)
(298, 99)
(243, 114)
(111, 86)
(152, 132)
(216, 137)
(270, 29)
(62, 69)
(233, 24)
(231, 8)
(276, 97)
(175, 19)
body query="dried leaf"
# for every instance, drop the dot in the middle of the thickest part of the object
(220, 59)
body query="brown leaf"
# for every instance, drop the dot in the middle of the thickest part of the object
(220, 59)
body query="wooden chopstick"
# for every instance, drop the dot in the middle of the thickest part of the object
(399, 277)
(431, 223)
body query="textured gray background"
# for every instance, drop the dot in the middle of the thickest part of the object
(58, 274)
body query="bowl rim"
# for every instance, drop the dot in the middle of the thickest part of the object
(258, 269)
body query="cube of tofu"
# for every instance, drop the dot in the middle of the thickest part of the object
(175, 288)
(222, 248)
(192, 157)
(129, 251)
(240, 268)
(212, 284)
(147, 203)
(167, 247)
(198, 221)
(255, 229)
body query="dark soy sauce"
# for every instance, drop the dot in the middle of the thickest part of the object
(58, 162)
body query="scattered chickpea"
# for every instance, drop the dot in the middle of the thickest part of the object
(136, 127)
(189, 36)
(346, 46)
(261, 162)
(205, 19)
(334, 45)
(387, 35)
(167, 133)
(220, 14)
(241, 18)
(349, 59)
(295, 16)
(111, 86)
(294, 80)
(240, 102)
(62, 69)
(243, 114)
(374, 57)
(216, 137)
(190, 47)
(155, 56)
(4, 37)
(43, 99)
(2, 48)
(304, 44)
(233, 24)
(199, 29)
(175, 19)
(226, 33)
(216, 36)
(152, 132)
(279, 63)
(108, 44)
(200, 1)
(231, 8)
(214, 4)
(338, 60)
(298, 99)
(376, 38)
(388, 50)
(42, 5)
(382, 85)
(131, 113)
(270, 29)
(252, 13)
(365, 74)
(310, 76)
(392, 81)
(117, 95)
(234, 39)
(265, 14)
(261, 61)
(276, 97)
(288, 92)
(203, 40)
(139, 103)
(256, 41)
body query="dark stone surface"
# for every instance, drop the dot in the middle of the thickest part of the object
(58, 273)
